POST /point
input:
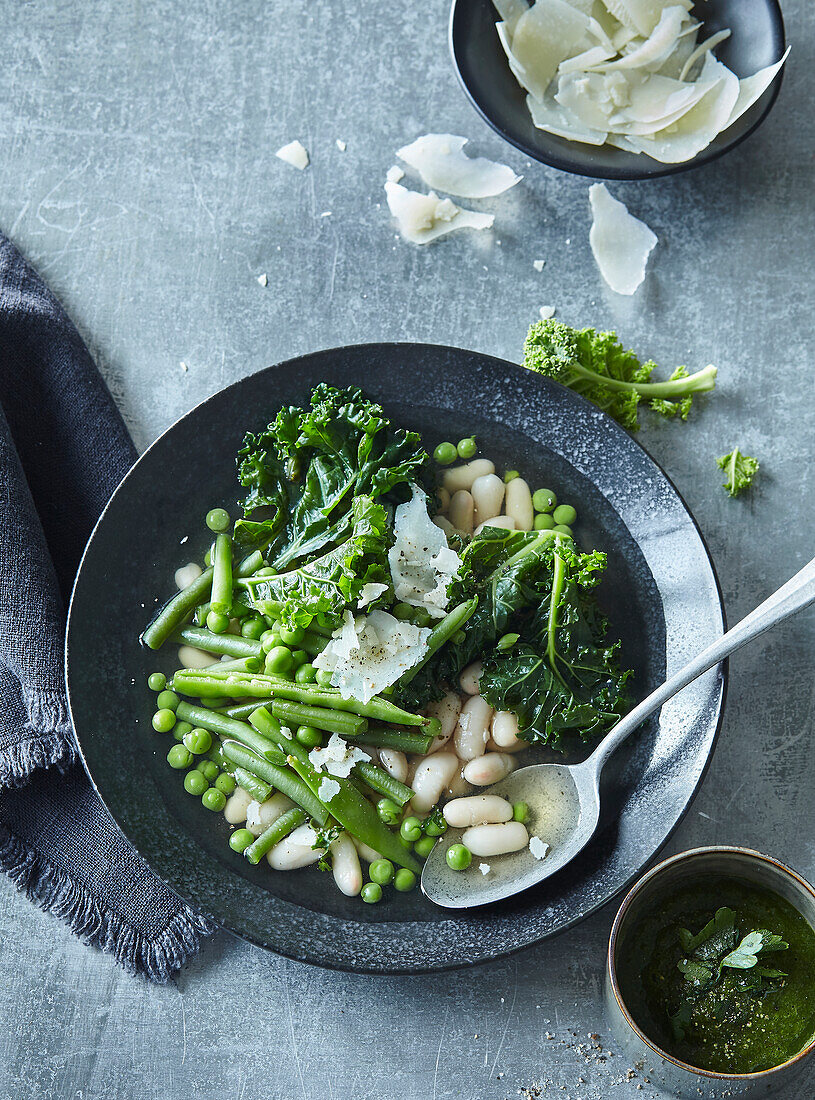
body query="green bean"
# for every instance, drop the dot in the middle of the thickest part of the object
(176, 610)
(450, 625)
(280, 778)
(237, 664)
(378, 708)
(219, 723)
(383, 783)
(298, 714)
(404, 740)
(230, 644)
(249, 565)
(259, 790)
(243, 710)
(267, 725)
(279, 829)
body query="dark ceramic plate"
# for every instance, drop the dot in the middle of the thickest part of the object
(661, 594)
(757, 41)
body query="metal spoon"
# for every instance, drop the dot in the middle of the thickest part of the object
(564, 799)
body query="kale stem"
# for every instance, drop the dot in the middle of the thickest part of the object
(700, 382)
(558, 577)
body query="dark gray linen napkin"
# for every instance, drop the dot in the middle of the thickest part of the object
(63, 450)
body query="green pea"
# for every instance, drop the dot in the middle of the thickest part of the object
(179, 757)
(266, 571)
(445, 453)
(421, 617)
(404, 880)
(180, 729)
(381, 871)
(424, 846)
(403, 611)
(309, 736)
(216, 622)
(218, 519)
(194, 783)
(520, 811)
(198, 741)
(299, 657)
(278, 659)
(252, 627)
(506, 641)
(209, 769)
(240, 840)
(371, 893)
(215, 701)
(563, 529)
(269, 640)
(214, 799)
(167, 700)
(467, 447)
(544, 500)
(388, 811)
(510, 475)
(163, 720)
(292, 635)
(565, 514)
(208, 558)
(459, 858)
(410, 829)
(434, 825)
(544, 522)
(459, 638)
(305, 674)
(225, 783)
(157, 681)
(324, 677)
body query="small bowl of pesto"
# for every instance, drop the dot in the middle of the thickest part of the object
(710, 981)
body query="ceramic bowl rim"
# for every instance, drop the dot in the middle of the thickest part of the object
(646, 881)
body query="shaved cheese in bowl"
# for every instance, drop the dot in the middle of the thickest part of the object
(423, 218)
(442, 163)
(294, 154)
(621, 243)
(336, 758)
(627, 73)
(370, 652)
(422, 564)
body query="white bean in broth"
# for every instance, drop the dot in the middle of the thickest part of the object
(462, 477)
(488, 769)
(478, 809)
(462, 511)
(488, 496)
(395, 763)
(496, 840)
(469, 677)
(345, 865)
(519, 504)
(432, 775)
(473, 728)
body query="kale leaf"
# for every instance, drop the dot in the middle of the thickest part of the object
(740, 469)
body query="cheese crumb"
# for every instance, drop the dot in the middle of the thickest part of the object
(369, 592)
(263, 280)
(538, 264)
(484, 868)
(327, 789)
(546, 312)
(423, 218)
(538, 847)
(337, 758)
(341, 145)
(294, 154)
(394, 174)
(183, 366)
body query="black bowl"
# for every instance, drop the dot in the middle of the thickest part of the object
(660, 593)
(757, 41)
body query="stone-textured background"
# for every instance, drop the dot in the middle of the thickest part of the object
(138, 173)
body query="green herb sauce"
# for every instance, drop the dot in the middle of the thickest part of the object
(734, 1027)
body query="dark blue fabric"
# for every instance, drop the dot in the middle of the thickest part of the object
(63, 450)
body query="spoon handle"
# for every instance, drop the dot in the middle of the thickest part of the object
(794, 596)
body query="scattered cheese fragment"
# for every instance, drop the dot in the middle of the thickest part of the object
(442, 163)
(337, 758)
(263, 280)
(546, 312)
(369, 592)
(538, 847)
(484, 868)
(370, 652)
(620, 242)
(538, 264)
(341, 145)
(294, 154)
(253, 814)
(422, 564)
(394, 174)
(327, 789)
(423, 218)
(183, 366)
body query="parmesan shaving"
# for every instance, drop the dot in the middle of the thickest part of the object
(539, 848)
(753, 87)
(336, 758)
(661, 42)
(327, 789)
(370, 652)
(545, 35)
(394, 174)
(703, 47)
(423, 218)
(422, 564)
(621, 243)
(369, 592)
(294, 154)
(511, 11)
(442, 163)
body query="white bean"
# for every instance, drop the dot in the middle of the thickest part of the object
(472, 729)
(443, 498)
(458, 786)
(447, 711)
(395, 763)
(504, 523)
(187, 574)
(260, 815)
(505, 731)
(236, 806)
(470, 676)
(444, 524)
(519, 504)
(462, 477)
(488, 769)
(295, 850)
(462, 511)
(478, 809)
(488, 495)
(345, 865)
(367, 853)
(496, 840)
(431, 777)
(190, 657)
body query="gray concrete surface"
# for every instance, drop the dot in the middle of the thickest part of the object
(138, 173)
